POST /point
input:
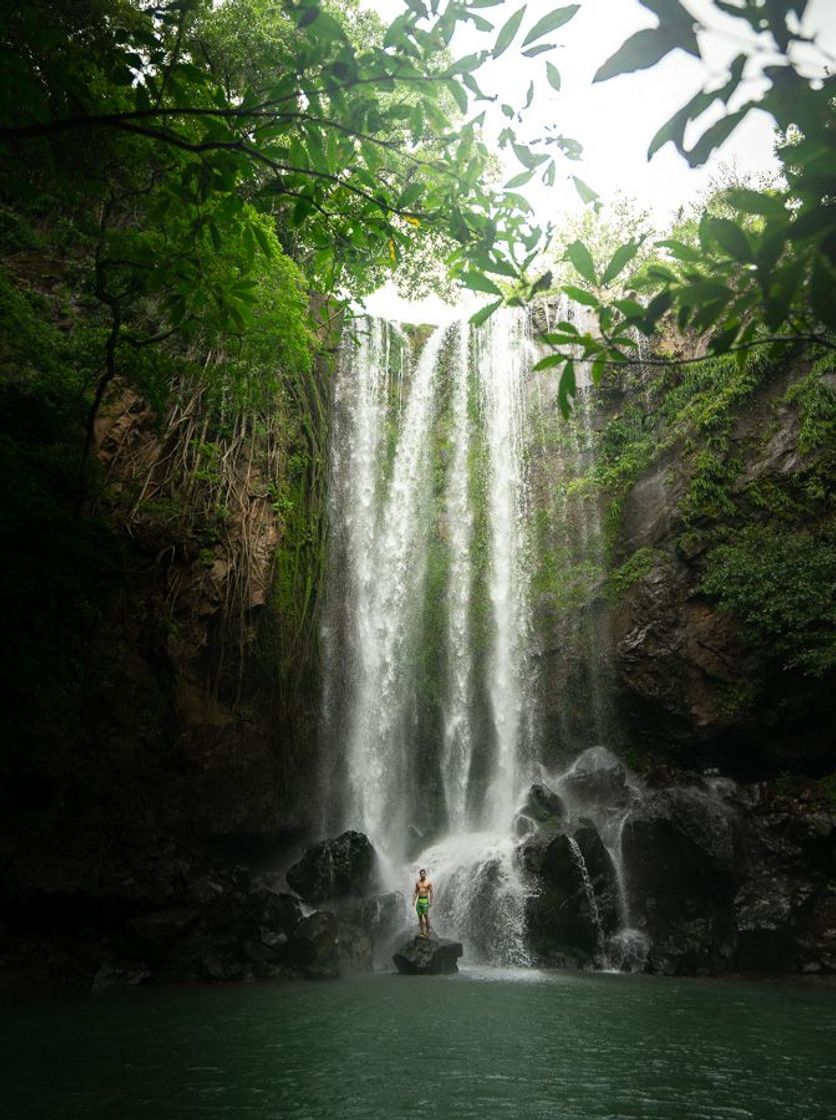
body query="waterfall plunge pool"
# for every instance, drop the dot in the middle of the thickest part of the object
(486, 1043)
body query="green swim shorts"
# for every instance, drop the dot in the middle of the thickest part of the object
(422, 906)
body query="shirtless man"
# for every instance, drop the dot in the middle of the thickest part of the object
(422, 900)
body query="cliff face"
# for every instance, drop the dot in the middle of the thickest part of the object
(722, 631)
(721, 661)
(160, 742)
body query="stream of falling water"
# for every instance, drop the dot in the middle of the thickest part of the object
(458, 733)
(395, 505)
(428, 701)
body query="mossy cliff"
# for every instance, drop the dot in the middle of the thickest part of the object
(160, 600)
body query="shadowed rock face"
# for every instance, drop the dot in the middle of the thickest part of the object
(679, 853)
(337, 868)
(427, 956)
(597, 779)
(560, 923)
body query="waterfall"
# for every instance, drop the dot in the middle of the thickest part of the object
(503, 358)
(388, 617)
(430, 741)
(411, 710)
(590, 894)
(458, 733)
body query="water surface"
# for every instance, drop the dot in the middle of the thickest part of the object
(482, 1044)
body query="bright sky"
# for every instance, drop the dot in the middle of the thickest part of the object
(614, 120)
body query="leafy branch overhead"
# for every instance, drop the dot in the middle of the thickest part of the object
(358, 133)
(764, 271)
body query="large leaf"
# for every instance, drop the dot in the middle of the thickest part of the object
(619, 261)
(550, 22)
(579, 295)
(714, 136)
(528, 158)
(484, 313)
(578, 254)
(479, 283)
(732, 238)
(519, 180)
(587, 194)
(645, 49)
(507, 32)
(566, 388)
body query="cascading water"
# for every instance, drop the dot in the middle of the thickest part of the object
(503, 358)
(589, 890)
(401, 507)
(458, 733)
(430, 683)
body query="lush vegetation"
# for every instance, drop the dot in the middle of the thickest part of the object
(762, 270)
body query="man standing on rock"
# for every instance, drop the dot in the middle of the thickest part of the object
(422, 899)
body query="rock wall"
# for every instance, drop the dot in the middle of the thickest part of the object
(170, 757)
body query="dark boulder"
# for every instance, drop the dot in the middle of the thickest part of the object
(597, 780)
(563, 923)
(368, 928)
(427, 956)
(543, 809)
(337, 868)
(678, 847)
(313, 949)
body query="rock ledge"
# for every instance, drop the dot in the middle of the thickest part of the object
(427, 956)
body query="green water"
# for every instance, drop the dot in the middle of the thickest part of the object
(486, 1045)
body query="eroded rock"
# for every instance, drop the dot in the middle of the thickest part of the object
(427, 956)
(336, 868)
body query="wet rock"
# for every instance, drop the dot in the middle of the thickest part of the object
(367, 929)
(678, 847)
(597, 779)
(560, 918)
(427, 956)
(156, 933)
(337, 868)
(113, 974)
(313, 948)
(542, 809)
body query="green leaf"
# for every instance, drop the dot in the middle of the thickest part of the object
(731, 238)
(484, 313)
(679, 249)
(553, 75)
(587, 194)
(479, 283)
(620, 259)
(658, 306)
(519, 180)
(540, 285)
(720, 343)
(645, 49)
(550, 22)
(713, 137)
(549, 362)
(566, 389)
(629, 308)
(822, 287)
(528, 158)
(465, 65)
(581, 258)
(263, 240)
(532, 52)
(507, 32)
(459, 94)
(579, 295)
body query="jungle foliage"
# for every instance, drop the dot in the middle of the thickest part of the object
(763, 272)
